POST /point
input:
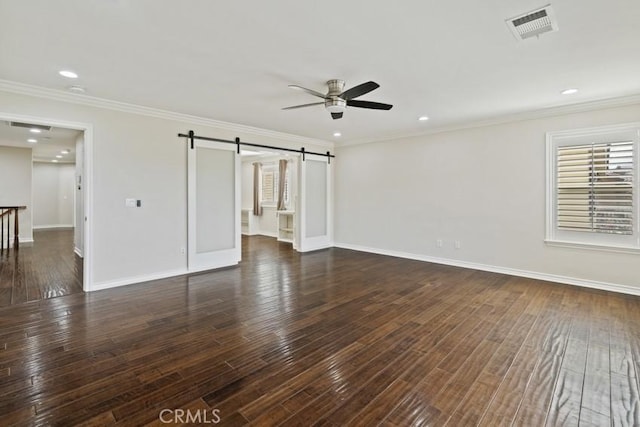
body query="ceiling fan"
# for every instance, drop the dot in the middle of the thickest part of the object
(337, 99)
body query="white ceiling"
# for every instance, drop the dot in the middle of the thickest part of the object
(455, 61)
(50, 142)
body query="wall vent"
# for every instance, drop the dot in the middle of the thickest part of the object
(29, 126)
(534, 23)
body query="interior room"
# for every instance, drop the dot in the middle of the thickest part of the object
(273, 218)
(336, 213)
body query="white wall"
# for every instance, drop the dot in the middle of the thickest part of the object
(78, 235)
(15, 187)
(53, 195)
(137, 156)
(484, 187)
(267, 223)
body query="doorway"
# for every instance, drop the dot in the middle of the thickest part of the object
(43, 172)
(303, 220)
(271, 177)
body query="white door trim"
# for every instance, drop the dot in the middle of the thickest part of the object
(87, 269)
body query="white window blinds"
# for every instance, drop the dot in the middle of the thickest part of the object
(594, 187)
(268, 186)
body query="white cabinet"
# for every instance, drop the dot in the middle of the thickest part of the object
(247, 222)
(286, 221)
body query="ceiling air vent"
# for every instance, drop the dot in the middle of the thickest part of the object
(29, 126)
(534, 23)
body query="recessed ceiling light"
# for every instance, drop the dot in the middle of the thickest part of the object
(68, 74)
(569, 91)
(58, 156)
(423, 118)
(76, 89)
(34, 130)
(54, 161)
(337, 134)
(65, 151)
(32, 140)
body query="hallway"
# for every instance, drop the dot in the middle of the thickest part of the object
(48, 268)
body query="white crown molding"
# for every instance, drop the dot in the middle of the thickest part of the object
(91, 101)
(39, 160)
(612, 287)
(510, 118)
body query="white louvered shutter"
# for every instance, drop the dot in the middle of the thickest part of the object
(594, 187)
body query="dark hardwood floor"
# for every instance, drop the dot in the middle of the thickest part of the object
(333, 338)
(47, 268)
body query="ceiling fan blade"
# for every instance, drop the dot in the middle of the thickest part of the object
(337, 116)
(369, 104)
(359, 90)
(309, 91)
(303, 105)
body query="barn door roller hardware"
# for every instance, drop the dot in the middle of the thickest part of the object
(192, 136)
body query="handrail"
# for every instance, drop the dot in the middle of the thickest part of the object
(16, 227)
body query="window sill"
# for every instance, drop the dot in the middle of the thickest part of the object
(594, 247)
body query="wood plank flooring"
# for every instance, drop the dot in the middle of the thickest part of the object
(48, 268)
(331, 338)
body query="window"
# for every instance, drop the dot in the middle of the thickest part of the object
(592, 187)
(269, 186)
(287, 179)
(270, 182)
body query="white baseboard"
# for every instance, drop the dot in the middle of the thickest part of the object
(316, 245)
(137, 279)
(613, 287)
(52, 226)
(267, 234)
(259, 233)
(149, 277)
(21, 240)
(78, 252)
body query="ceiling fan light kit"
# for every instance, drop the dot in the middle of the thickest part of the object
(337, 99)
(335, 105)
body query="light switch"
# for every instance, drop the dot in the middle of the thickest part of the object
(130, 203)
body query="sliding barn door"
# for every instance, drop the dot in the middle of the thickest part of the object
(213, 206)
(315, 219)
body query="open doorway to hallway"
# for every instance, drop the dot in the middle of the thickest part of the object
(41, 172)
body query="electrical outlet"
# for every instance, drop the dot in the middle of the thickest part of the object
(439, 243)
(456, 244)
(183, 251)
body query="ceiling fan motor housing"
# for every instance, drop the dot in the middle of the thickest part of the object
(333, 103)
(336, 87)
